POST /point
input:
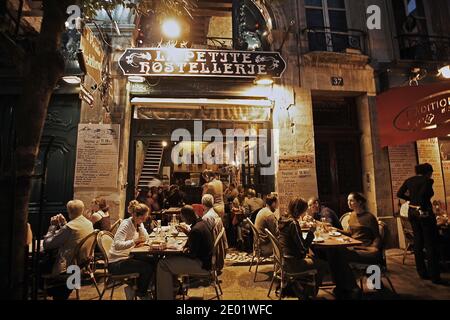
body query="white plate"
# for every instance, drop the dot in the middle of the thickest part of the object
(318, 240)
(335, 234)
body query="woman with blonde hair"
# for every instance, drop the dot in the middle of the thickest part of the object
(131, 234)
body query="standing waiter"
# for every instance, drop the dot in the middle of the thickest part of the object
(418, 190)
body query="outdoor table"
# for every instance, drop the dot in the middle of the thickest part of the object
(341, 241)
(159, 252)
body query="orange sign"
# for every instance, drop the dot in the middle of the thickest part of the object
(93, 54)
(409, 114)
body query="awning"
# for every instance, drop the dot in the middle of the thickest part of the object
(407, 114)
(202, 109)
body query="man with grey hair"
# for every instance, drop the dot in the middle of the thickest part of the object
(211, 215)
(64, 237)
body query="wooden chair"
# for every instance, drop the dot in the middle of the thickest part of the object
(257, 252)
(105, 240)
(115, 226)
(83, 257)
(279, 269)
(361, 268)
(212, 276)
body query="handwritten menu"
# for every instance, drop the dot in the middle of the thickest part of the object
(428, 151)
(402, 161)
(97, 156)
(444, 147)
(296, 178)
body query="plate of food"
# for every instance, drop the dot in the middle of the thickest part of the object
(335, 233)
(319, 240)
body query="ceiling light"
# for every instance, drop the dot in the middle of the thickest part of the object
(72, 79)
(264, 81)
(445, 72)
(171, 29)
(136, 79)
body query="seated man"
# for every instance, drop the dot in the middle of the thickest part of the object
(196, 258)
(266, 218)
(320, 212)
(211, 215)
(252, 202)
(65, 236)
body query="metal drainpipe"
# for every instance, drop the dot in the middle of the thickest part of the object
(19, 17)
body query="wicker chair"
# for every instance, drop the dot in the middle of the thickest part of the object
(105, 240)
(83, 257)
(115, 226)
(361, 268)
(212, 276)
(279, 271)
(257, 252)
(408, 235)
(344, 221)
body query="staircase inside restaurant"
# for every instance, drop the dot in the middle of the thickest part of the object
(152, 163)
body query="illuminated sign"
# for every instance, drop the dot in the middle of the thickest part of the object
(201, 63)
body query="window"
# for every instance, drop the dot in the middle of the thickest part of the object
(412, 31)
(327, 22)
(410, 17)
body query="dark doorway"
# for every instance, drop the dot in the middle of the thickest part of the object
(60, 137)
(338, 155)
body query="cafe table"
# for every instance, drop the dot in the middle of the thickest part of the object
(174, 246)
(172, 210)
(341, 241)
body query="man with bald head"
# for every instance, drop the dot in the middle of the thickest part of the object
(319, 212)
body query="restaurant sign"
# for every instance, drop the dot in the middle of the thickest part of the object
(201, 63)
(93, 54)
(409, 114)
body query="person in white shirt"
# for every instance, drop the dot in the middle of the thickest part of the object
(131, 234)
(211, 215)
(64, 237)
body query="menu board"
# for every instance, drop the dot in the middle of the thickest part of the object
(296, 178)
(97, 156)
(428, 151)
(402, 161)
(444, 147)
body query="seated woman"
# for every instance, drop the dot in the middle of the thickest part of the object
(131, 234)
(100, 218)
(363, 226)
(295, 248)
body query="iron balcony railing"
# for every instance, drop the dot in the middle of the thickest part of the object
(424, 47)
(326, 39)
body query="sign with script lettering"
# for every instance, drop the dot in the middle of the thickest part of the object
(93, 54)
(201, 63)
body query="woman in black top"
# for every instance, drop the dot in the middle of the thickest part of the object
(295, 248)
(418, 190)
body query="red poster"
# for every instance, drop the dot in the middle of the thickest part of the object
(407, 114)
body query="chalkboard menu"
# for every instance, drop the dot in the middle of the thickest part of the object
(428, 151)
(402, 161)
(97, 156)
(296, 178)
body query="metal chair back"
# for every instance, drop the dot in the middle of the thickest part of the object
(115, 226)
(256, 238)
(216, 251)
(277, 252)
(84, 252)
(105, 241)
